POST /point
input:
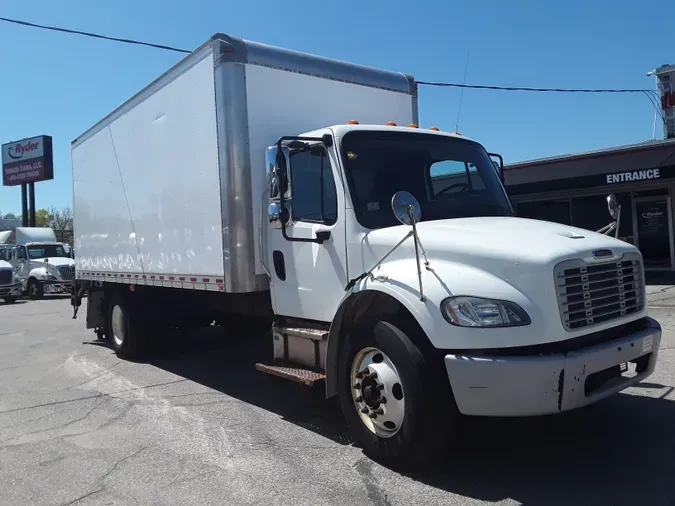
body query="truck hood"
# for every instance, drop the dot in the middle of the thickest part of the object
(53, 261)
(514, 249)
(505, 258)
(498, 238)
(5, 265)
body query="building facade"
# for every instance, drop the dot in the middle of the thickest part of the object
(572, 189)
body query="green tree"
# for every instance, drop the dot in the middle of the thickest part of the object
(41, 217)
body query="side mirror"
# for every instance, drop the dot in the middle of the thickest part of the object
(613, 206)
(277, 170)
(498, 164)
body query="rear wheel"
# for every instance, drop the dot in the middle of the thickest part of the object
(396, 401)
(127, 333)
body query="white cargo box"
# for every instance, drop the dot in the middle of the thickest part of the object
(167, 189)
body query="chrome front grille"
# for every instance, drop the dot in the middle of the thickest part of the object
(67, 272)
(593, 293)
(5, 277)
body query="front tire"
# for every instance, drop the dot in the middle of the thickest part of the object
(397, 402)
(35, 289)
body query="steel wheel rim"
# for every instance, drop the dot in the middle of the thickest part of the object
(377, 392)
(117, 324)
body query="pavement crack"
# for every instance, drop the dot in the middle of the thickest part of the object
(88, 494)
(120, 462)
(89, 380)
(57, 428)
(95, 396)
(189, 479)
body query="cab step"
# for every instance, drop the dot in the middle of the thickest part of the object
(292, 372)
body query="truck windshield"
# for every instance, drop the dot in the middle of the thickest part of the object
(46, 251)
(450, 177)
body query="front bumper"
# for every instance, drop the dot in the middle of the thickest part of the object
(13, 290)
(56, 285)
(528, 385)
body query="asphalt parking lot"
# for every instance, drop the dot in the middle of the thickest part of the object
(198, 425)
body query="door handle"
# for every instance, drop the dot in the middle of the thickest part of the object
(322, 235)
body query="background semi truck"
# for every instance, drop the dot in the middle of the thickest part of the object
(256, 187)
(43, 264)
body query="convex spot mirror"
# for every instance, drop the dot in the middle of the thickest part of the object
(406, 208)
(613, 206)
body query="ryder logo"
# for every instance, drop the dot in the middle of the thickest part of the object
(17, 151)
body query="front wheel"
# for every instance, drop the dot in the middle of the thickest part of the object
(396, 401)
(35, 289)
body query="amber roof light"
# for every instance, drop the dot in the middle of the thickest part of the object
(352, 122)
(435, 129)
(412, 125)
(391, 123)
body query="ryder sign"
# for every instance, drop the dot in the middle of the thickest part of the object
(27, 161)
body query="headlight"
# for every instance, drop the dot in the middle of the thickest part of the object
(485, 313)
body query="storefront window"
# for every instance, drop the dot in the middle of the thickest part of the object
(591, 213)
(557, 211)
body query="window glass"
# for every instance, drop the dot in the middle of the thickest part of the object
(313, 193)
(46, 251)
(379, 164)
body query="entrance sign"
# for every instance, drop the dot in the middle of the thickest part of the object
(635, 175)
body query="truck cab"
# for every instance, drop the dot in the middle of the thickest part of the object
(405, 243)
(10, 284)
(43, 264)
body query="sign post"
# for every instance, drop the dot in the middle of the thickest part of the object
(24, 163)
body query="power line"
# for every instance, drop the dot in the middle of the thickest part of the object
(421, 83)
(95, 35)
(523, 88)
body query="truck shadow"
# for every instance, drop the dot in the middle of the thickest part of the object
(620, 451)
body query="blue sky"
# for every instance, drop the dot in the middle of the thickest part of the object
(59, 85)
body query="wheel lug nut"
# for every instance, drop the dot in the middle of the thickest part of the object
(364, 410)
(359, 375)
(378, 411)
(373, 375)
(359, 399)
(373, 416)
(357, 386)
(380, 386)
(383, 400)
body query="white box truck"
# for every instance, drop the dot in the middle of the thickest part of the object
(258, 187)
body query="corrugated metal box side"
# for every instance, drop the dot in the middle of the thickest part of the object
(146, 185)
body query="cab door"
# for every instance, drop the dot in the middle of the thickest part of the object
(306, 246)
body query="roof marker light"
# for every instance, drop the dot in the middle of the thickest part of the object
(391, 123)
(352, 122)
(435, 129)
(412, 125)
